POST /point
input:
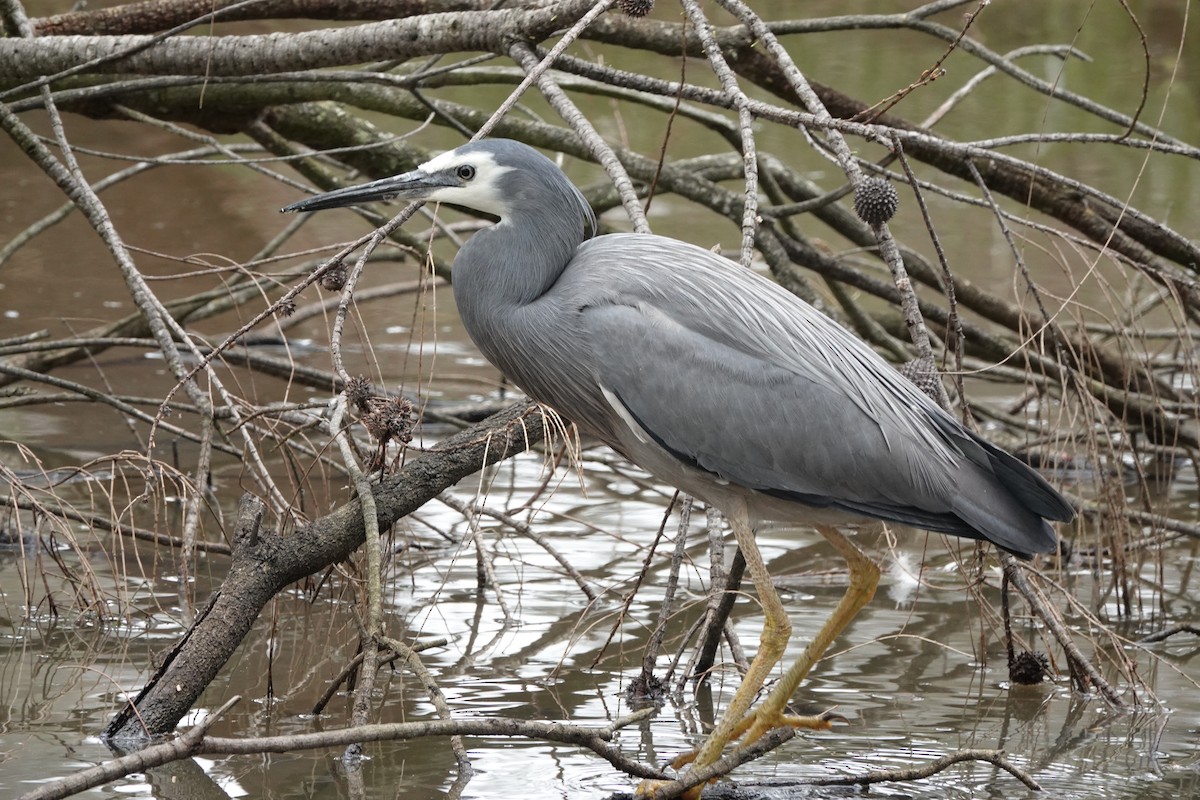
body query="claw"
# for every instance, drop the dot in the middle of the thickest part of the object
(831, 716)
(816, 722)
(683, 759)
(648, 789)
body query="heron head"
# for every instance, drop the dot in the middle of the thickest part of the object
(495, 176)
(466, 177)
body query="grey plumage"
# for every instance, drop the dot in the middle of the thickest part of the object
(704, 373)
(719, 382)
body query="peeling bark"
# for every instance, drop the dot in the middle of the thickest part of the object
(259, 54)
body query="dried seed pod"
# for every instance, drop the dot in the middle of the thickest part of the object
(334, 278)
(922, 372)
(1029, 668)
(646, 690)
(398, 417)
(390, 419)
(875, 201)
(636, 8)
(359, 392)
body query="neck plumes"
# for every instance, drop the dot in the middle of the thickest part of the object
(512, 264)
(505, 276)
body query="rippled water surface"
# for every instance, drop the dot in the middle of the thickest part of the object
(911, 677)
(918, 675)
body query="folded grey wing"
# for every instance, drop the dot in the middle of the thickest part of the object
(749, 421)
(806, 435)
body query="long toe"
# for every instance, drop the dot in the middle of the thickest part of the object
(750, 730)
(761, 722)
(661, 790)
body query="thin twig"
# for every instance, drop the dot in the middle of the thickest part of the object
(523, 54)
(916, 773)
(372, 621)
(654, 644)
(527, 531)
(1053, 620)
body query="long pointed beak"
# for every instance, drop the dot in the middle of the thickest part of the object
(415, 185)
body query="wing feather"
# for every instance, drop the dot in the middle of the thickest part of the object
(734, 375)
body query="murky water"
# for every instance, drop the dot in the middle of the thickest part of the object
(910, 675)
(919, 674)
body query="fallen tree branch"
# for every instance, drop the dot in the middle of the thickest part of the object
(1167, 633)
(194, 743)
(264, 561)
(183, 747)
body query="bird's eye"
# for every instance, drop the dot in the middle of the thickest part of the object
(465, 172)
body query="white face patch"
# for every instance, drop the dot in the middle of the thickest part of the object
(481, 192)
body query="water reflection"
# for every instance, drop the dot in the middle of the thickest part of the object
(911, 676)
(919, 674)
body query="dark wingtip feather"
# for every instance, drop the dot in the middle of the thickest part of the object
(1017, 523)
(1029, 486)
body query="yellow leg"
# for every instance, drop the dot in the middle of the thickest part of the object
(777, 628)
(864, 577)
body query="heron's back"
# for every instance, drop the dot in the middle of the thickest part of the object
(726, 385)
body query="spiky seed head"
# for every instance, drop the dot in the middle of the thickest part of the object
(922, 372)
(334, 278)
(875, 201)
(359, 392)
(399, 415)
(646, 690)
(636, 8)
(1029, 668)
(390, 419)
(375, 425)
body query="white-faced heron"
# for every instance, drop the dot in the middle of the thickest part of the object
(718, 382)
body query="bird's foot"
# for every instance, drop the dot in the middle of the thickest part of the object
(761, 721)
(757, 723)
(652, 789)
(750, 730)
